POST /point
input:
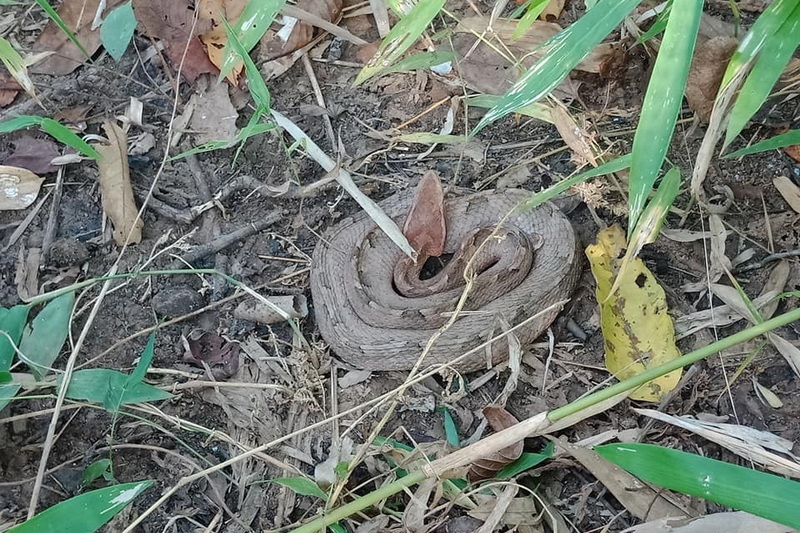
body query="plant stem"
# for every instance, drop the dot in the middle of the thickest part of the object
(363, 502)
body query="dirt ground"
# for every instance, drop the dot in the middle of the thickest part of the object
(203, 425)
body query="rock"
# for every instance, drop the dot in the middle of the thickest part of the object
(68, 252)
(177, 300)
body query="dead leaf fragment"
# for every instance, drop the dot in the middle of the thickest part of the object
(425, 225)
(486, 467)
(637, 329)
(34, 154)
(576, 137)
(216, 38)
(705, 74)
(116, 192)
(18, 188)
(789, 191)
(208, 350)
(214, 116)
(66, 57)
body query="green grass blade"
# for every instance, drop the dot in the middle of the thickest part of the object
(400, 38)
(563, 52)
(7, 393)
(12, 322)
(533, 8)
(767, 23)
(19, 122)
(790, 138)
(657, 27)
(450, 429)
(252, 24)
(526, 461)
(85, 513)
(765, 495)
(16, 66)
(420, 60)
(301, 485)
(256, 83)
(56, 18)
(45, 335)
(117, 30)
(535, 110)
(662, 102)
(777, 50)
(54, 129)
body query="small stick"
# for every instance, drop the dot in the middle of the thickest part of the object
(52, 218)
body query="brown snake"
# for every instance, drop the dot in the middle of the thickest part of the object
(530, 263)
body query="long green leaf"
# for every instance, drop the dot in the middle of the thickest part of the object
(122, 392)
(43, 338)
(777, 50)
(53, 128)
(301, 485)
(400, 38)
(758, 493)
(85, 513)
(12, 322)
(773, 17)
(662, 103)
(252, 24)
(790, 138)
(563, 52)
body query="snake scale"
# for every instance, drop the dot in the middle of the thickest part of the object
(530, 263)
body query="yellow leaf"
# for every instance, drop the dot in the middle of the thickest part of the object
(637, 330)
(18, 187)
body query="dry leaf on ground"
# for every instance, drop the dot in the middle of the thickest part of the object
(172, 23)
(552, 11)
(708, 66)
(486, 467)
(78, 16)
(116, 192)
(576, 137)
(9, 88)
(291, 34)
(203, 348)
(425, 225)
(734, 522)
(216, 38)
(18, 188)
(214, 117)
(789, 191)
(33, 154)
(637, 329)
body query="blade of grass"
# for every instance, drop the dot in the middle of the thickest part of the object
(790, 138)
(777, 50)
(16, 67)
(662, 103)
(54, 129)
(532, 8)
(400, 38)
(563, 52)
(45, 335)
(58, 21)
(758, 493)
(252, 24)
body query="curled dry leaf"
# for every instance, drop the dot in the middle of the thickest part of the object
(206, 348)
(294, 306)
(18, 188)
(486, 467)
(116, 192)
(66, 57)
(789, 191)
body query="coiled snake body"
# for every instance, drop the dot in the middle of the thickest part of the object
(375, 322)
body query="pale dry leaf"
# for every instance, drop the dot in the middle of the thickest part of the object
(116, 192)
(499, 514)
(19, 188)
(214, 116)
(552, 11)
(684, 235)
(767, 395)
(747, 442)
(732, 522)
(520, 512)
(775, 284)
(708, 66)
(418, 507)
(486, 467)
(718, 316)
(577, 138)
(789, 191)
(639, 499)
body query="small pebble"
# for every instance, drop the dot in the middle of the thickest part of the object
(177, 300)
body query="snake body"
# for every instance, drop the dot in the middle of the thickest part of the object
(528, 263)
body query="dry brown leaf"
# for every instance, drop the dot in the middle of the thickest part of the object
(734, 522)
(9, 88)
(204, 348)
(789, 191)
(418, 507)
(486, 467)
(214, 117)
(484, 69)
(519, 512)
(292, 34)
(33, 154)
(425, 225)
(708, 66)
(576, 137)
(172, 23)
(18, 188)
(216, 38)
(775, 284)
(116, 192)
(78, 16)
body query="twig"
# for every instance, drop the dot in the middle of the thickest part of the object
(181, 216)
(52, 218)
(767, 260)
(320, 100)
(226, 240)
